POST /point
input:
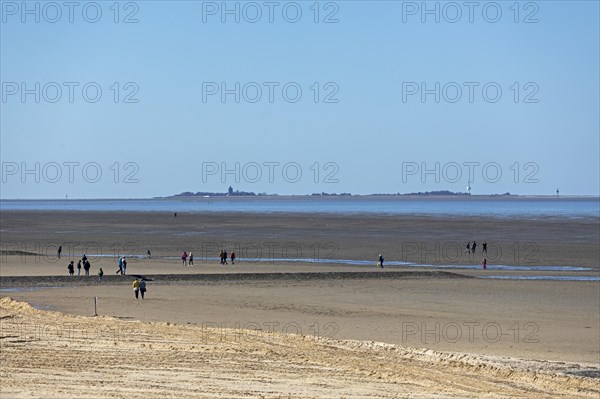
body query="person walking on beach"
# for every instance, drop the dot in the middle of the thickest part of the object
(184, 257)
(100, 274)
(71, 267)
(136, 287)
(86, 267)
(148, 254)
(484, 264)
(59, 251)
(124, 266)
(221, 256)
(79, 267)
(142, 287)
(380, 263)
(120, 264)
(225, 257)
(473, 247)
(468, 249)
(485, 247)
(191, 259)
(232, 258)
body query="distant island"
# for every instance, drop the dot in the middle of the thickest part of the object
(236, 193)
(230, 193)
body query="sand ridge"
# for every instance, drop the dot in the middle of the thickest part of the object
(104, 357)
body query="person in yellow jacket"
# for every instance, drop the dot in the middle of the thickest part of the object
(136, 287)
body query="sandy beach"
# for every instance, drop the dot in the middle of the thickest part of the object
(283, 328)
(52, 355)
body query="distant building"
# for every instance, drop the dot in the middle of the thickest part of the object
(230, 191)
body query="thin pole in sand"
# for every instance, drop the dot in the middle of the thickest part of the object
(95, 305)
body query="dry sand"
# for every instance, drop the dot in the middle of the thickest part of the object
(52, 355)
(528, 319)
(232, 330)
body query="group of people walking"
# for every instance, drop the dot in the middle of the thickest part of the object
(139, 284)
(139, 287)
(223, 257)
(472, 247)
(83, 262)
(122, 264)
(187, 259)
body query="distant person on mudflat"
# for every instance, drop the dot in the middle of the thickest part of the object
(381, 261)
(79, 267)
(473, 247)
(232, 258)
(184, 257)
(485, 247)
(71, 268)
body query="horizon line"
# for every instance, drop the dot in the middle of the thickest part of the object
(457, 195)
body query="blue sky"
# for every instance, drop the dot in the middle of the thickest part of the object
(367, 130)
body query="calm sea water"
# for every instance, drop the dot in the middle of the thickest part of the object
(464, 206)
